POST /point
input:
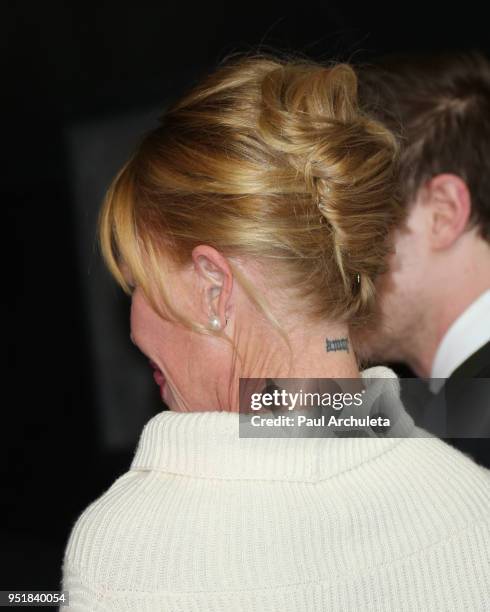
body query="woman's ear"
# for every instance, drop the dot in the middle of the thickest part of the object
(449, 201)
(215, 279)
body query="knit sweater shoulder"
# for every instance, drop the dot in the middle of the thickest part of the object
(206, 520)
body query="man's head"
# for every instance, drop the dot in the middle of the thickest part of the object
(439, 107)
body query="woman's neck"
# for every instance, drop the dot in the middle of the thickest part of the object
(320, 351)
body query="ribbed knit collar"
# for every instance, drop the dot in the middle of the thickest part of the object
(207, 444)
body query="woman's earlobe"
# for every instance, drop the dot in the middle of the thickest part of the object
(214, 292)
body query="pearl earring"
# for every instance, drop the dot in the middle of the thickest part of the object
(214, 323)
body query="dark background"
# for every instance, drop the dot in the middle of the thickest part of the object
(79, 81)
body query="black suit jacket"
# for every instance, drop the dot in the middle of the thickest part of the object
(460, 411)
(468, 403)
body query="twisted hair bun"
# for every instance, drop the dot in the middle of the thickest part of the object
(347, 162)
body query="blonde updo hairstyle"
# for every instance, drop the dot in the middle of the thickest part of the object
(266, 158)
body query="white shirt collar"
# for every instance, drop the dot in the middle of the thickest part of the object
(468, 333)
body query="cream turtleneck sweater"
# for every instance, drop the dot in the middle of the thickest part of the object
(207, 521)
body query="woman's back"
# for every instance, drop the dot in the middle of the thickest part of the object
(205, 520)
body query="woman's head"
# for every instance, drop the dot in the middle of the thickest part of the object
(264, 197)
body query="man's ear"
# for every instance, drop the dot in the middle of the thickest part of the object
(215, 280)
(449, 201)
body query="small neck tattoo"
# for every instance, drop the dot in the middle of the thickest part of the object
(340, 344)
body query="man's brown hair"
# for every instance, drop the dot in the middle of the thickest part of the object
(439, 106)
